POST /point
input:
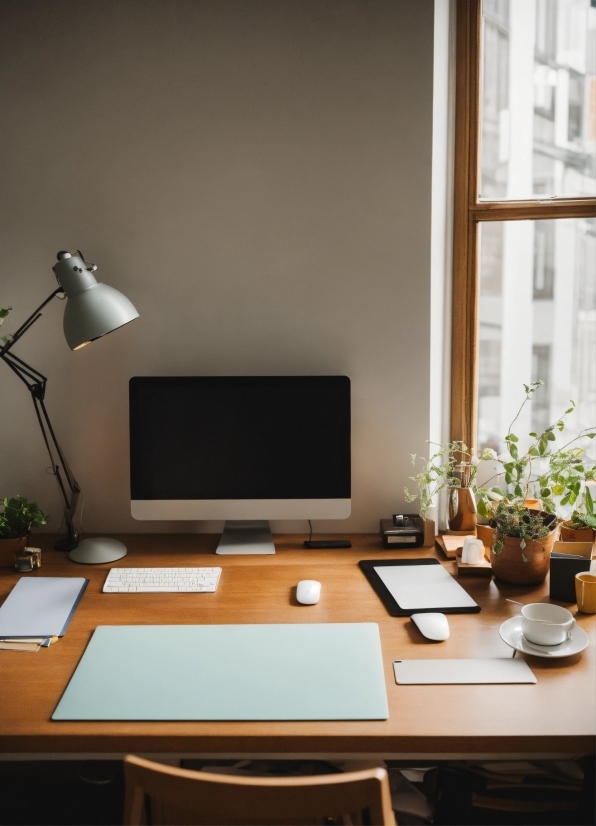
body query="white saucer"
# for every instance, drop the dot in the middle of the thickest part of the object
(511, 633)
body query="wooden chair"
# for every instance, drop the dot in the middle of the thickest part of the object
(158, 794)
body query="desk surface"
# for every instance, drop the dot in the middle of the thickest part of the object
(556, 716)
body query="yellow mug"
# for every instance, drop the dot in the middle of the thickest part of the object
(585, 592)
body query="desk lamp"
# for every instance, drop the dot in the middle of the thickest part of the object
(91, 311)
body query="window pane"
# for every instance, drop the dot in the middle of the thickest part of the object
(538, 99)
(537, 321)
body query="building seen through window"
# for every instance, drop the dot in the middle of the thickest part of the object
(537, 302)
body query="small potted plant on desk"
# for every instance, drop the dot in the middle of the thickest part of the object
(581, 525)
(524, 528)
(16, 521)
(452, 467)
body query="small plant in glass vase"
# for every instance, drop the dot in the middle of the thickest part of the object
(523, 511)
(451, 467)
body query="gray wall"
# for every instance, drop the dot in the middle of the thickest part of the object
(255, 175)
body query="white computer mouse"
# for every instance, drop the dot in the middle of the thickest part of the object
(308, 591)
(432, 626)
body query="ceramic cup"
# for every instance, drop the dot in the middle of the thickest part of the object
(555, 627)
(585, 592)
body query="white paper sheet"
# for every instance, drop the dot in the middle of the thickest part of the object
(420, 587)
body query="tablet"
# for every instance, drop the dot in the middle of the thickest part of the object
(413, 586)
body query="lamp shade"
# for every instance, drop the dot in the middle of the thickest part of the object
(92, 309)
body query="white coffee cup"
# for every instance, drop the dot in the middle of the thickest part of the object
(545, 624)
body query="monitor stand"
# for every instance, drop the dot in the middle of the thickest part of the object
(246, 537)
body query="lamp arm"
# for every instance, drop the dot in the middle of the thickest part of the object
(26, 324)
(71, 496)
(36, 384)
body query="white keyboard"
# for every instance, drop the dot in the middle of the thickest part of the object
(161, 580)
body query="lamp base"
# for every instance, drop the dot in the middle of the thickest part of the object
(94, 551)
(67, 543)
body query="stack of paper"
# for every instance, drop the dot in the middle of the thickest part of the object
(38, 610)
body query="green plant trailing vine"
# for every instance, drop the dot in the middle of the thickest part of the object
(562, 483)
(452, 465)
(584, 518)
(512, 518)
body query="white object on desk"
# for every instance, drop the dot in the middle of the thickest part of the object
(161, 580)
(445, 672)
(473, 551)
(423, 587)
(308, 591)
(432, 626)
(511, 633)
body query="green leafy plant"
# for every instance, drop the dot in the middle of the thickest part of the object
(556, 476)
(583, 517)
(558, 484)
(19, 517)
(452, 464)
(512, 518)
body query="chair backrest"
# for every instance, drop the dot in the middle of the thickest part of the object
(158, 794)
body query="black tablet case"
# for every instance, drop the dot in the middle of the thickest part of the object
(368, 566)
(563, 568)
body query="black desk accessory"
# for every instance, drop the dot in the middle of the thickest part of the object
(563, 568)
(367, 566)
(404, 530)
(327, 543)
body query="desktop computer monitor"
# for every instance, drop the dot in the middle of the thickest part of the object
(243, 449)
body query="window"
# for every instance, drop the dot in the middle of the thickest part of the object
(524, 261)
(544, 259)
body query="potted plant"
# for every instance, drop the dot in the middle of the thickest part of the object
(525, 526)
(16, 521)
(452, 467)
(581, 525)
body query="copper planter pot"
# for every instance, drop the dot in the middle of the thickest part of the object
(509, 565)
(572, 535)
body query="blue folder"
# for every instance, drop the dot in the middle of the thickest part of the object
(41, 606)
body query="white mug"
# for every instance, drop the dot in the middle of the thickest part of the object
(545, 624)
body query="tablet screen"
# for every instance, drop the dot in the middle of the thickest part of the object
(423, 587)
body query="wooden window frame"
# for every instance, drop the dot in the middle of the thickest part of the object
(469, 212)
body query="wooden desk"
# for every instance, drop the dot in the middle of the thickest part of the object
(554, 717)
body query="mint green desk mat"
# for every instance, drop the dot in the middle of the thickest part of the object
(229, 672)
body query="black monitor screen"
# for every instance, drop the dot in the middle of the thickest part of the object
(280, 437)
